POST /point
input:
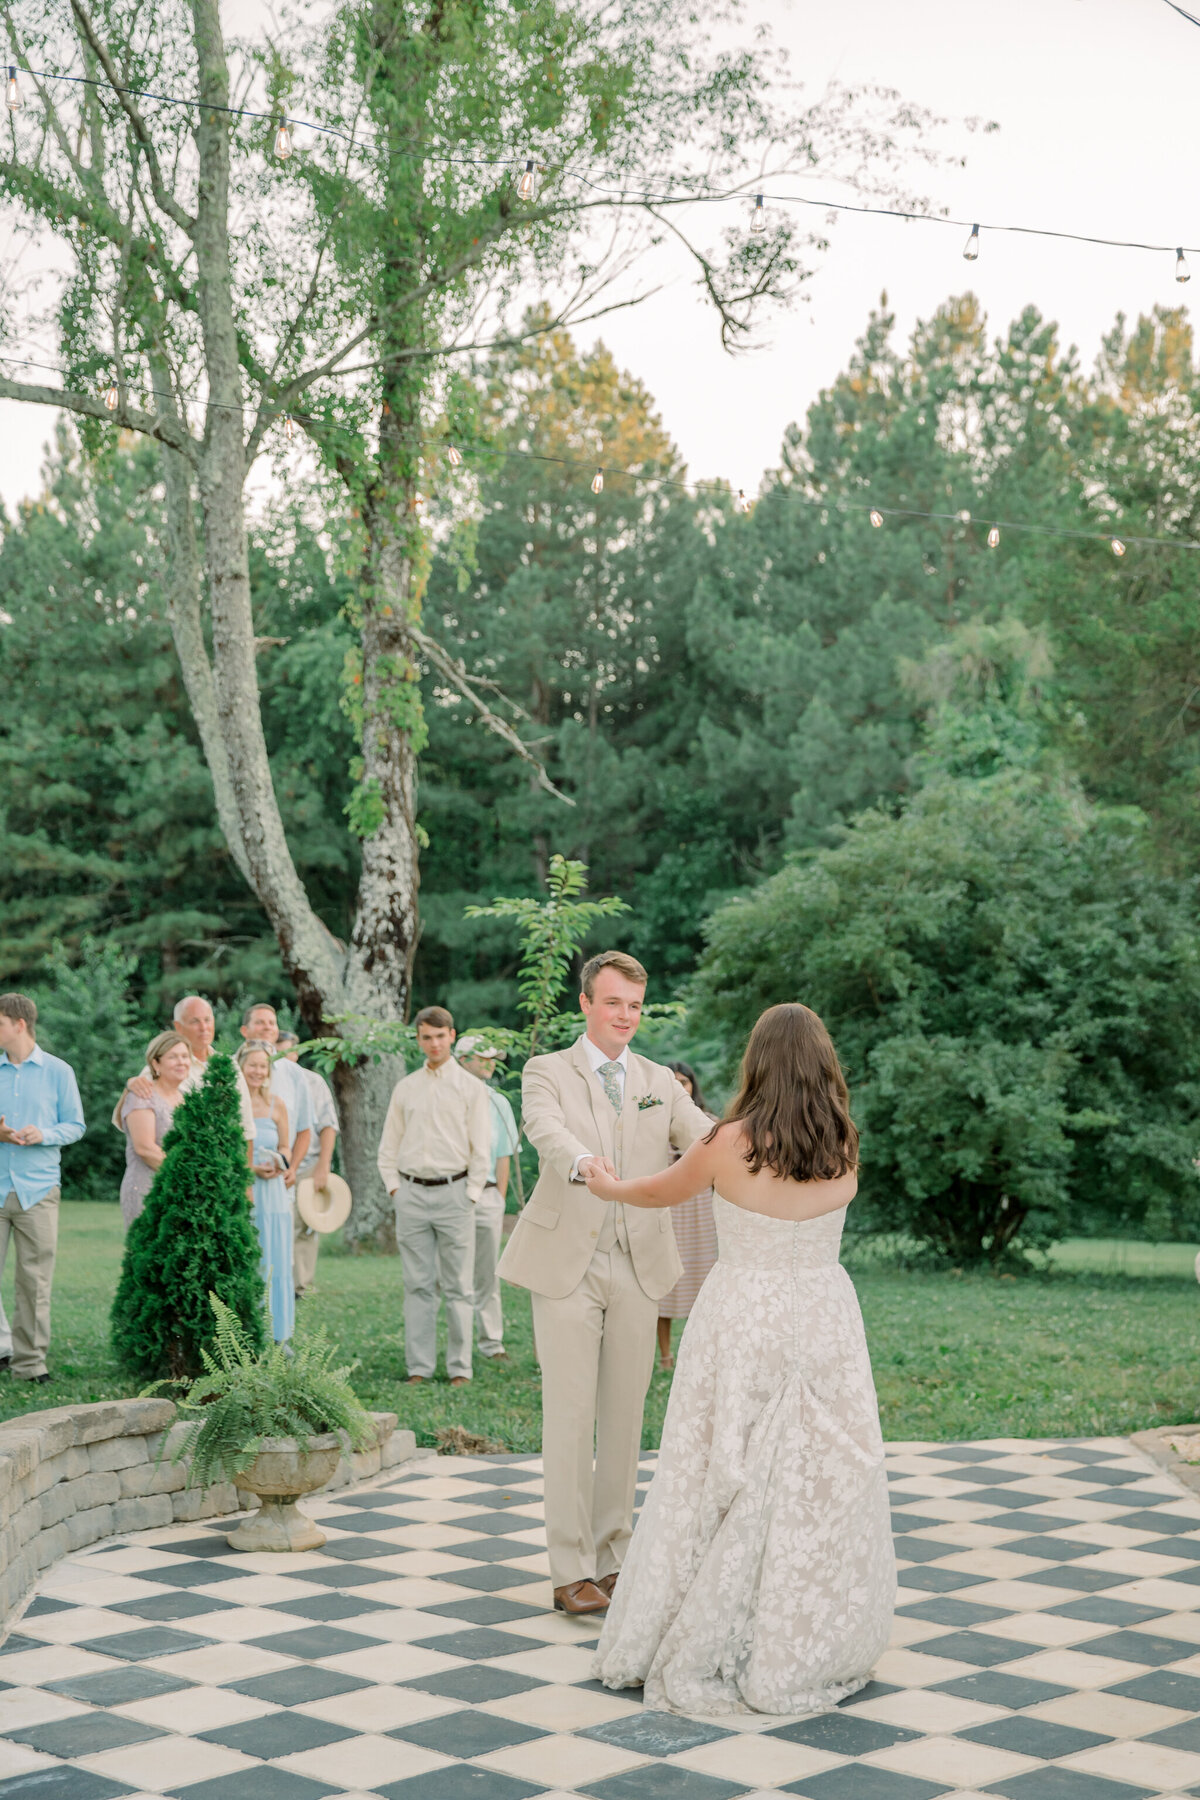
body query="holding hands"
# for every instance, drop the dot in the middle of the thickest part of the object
(601, 1176)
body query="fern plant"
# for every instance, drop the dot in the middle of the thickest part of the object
(244, 1397)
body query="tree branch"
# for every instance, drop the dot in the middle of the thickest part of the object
(163, 430)
(456, 674)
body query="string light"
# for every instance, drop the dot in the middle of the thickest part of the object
(741, 504)
(876, 518)
(1118, 548)
(454, 455)
(758, 218)
(527, 186)
(993, 537)
(283, 141)
(289, 426)
(111, 397)
(964, 517)
(12, 93)
(971, 247)
(1182, 272)
(598, 482)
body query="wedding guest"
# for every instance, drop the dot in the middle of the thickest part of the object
(695, 1238)
(272, 1203)
(193, 1019)
(317, 1165)
(40, 1111)
(147, 1122)
(479, 1058)
(434, 1158)
(261, 1026)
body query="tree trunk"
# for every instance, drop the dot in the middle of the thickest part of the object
(362, 1091)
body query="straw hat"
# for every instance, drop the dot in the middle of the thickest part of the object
(323, 1209)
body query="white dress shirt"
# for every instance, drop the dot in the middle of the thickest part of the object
(438, 1123)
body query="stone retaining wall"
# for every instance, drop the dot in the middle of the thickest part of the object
(78, 1473)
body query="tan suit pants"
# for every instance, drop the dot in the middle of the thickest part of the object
(36, 1234)
(596, 1348)
(305, 1244)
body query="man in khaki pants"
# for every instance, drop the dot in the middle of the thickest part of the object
(597, 1272)
(39, 1112)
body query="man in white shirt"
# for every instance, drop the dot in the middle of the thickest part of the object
(318, 1164)
(260, 1026)
(434, 1160)
(194, 1021)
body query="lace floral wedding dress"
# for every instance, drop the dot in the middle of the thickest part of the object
(761, 1576)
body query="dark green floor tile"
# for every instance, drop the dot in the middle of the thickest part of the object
(944, 1610)
(460, 1783)
(992, 1687)
(317, 1641)
(1099, 1610)
(1137, 1646)
(474, 1683)
(466, 1733)
(1166, 1687)
(858, 1781)
(663, 1781)
(976, 1647)
(86, 1734)
(479, 1645)
(139, 1646)
(333, 1605)
(488, 1609)
(655, 1733)
(62, 1784)
(483, 1549)
(277, 1734)
(295, 1687)
(1034, 1737)
(181, 1604)
(843, 1734)
(115, 1687)
(939, 1581)
(263, 1783)
(487, 1577)
(1054, 1783)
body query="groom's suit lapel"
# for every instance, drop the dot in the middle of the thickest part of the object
(603, 1116)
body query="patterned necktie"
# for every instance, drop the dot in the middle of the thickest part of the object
(609, 1073)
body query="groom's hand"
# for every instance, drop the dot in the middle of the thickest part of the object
(596, 1165)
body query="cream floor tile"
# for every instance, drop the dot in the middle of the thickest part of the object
(76, 1626)
(1052, 1487)
(1113, 1714)
(258, 1590)
(240, 1625)
(403, 1626)
(1188, 1665)
(1018, 1464)
(437, 1487)
(528, 1531)
(952, 1759)
(536, 1510)
(1020, 1596)
(538, 1564)
(909, 1669)
(1182, 1625)
(197, 1709)
(17, 1759)
(964, 1534)
(365, 1761)
(1108, 1536)
(98, 1589)
(907, 1632)
(136, 1562)
(932, 1487)
(1071, 1668)
(30, 1668)
(391, 1662)
(218, 1663)
(556, 1662)
(919, 1711)
(1000, 1565)
(419, 1590)
(949, 1510)
(422, 1537)
(417, 1562)
(561, 1761)
(265, 1563)
(1148, 1764)
(919, 1465)
(910, 1447)
(555, 1708)
(21, 1706)
(554, 1628)
(1134, 1562)
(168, 1762)
(1081, 1509)
(379, 1708)
(1045, 1628)
(1153, 1590)
(414, 1512)
(529, 1593)
(768, 1761)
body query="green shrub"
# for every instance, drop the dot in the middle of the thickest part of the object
(87, 1016)
(195, 1238)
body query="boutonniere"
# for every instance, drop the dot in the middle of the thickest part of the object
(647, 1101)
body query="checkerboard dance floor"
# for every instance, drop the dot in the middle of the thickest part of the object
(1047, 1647)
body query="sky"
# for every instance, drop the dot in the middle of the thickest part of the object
(1095, 100)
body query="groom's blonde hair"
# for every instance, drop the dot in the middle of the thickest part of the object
(629, 966)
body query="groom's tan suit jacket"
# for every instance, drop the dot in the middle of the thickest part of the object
(565, 1114)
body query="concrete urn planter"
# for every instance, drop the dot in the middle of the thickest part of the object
(284, 1469)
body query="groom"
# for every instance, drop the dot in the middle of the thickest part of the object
(597, 1271)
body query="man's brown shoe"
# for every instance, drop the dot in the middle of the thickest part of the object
(459, 1380)
(580, 1597)
(414, 1381)
(606, 1583)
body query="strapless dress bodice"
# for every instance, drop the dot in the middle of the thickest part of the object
(751, 1240)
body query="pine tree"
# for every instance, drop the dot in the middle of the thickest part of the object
(196, 1237)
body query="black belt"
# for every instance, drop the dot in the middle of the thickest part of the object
(433, 1180)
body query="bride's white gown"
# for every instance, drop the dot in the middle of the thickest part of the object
(761, 1576)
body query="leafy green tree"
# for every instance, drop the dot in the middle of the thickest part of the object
(195, 1238)
(1015, 992)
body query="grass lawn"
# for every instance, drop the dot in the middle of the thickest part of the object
(1106, 1341)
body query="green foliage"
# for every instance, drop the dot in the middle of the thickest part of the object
(1016, 995)
(246, 1396)
(195, 1238)
(87, 1015)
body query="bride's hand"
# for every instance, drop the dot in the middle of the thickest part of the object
(600, 1180)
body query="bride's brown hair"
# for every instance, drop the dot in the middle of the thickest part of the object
(792, 1102)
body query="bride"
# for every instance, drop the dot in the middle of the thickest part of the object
(761, 1575)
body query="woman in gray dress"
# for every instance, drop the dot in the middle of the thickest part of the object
(146, 1122)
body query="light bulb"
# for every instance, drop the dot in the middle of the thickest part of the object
(971, 247)
(111, 397)
(289, 427)
(1182, 272)
(527, 186)
(455, 456)
(964, 517)
(993, 537)
(283, 141)
(758, 218)
(741, 504)
(876, 518)
(12, 93)
(598, 482)
(1118, 548)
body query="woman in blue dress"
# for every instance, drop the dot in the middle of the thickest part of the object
(272, 1202)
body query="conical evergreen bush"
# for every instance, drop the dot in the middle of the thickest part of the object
(196, 1237)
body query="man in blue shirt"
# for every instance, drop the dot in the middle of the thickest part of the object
(40, 1111)
(479, 1058)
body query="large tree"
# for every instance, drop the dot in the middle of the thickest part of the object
(212, 289)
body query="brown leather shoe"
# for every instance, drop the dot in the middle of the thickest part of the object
(580, 1597)
(460, 1380)
(606, 1583)
(414, 1381)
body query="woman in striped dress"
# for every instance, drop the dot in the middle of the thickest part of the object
(696, 1236)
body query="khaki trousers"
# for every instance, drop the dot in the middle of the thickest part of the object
(597, 1351)
(435, 1233)
(489, 1313)
(36, 1234)
(305, 1244)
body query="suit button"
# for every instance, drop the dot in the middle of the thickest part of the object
(593, 1234)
